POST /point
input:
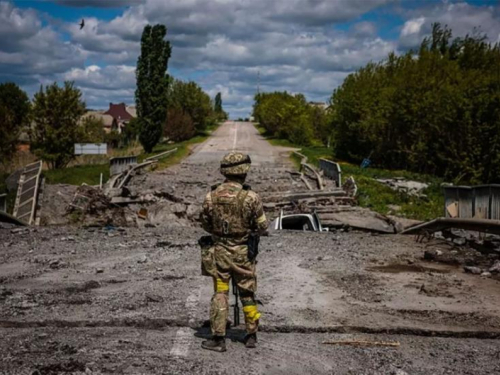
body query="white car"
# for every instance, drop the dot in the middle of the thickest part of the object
(304, 222)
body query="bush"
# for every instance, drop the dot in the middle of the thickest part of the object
(289, 117)
(179, 126)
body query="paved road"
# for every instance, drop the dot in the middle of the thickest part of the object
(238, 136)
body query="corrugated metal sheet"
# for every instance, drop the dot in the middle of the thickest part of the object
(450, 197)
(482, 199)
(466, 203)
(495, 202)
(478, 202)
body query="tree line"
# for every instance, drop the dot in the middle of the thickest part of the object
(291, 117)
(434, 111)
(167, 108)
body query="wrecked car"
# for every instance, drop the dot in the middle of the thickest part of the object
(304, 222)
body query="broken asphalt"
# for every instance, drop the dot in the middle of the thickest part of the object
(132, 300)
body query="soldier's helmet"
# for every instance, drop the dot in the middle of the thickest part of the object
(235, 163)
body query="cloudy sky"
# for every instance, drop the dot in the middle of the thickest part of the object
(306, 46)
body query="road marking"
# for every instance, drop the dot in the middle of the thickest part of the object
(184, 335)
(235, 136)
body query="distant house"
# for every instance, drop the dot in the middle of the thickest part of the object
(121, 115)
(107, 120)
(115, 118)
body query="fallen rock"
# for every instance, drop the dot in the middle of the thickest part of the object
(142, 260)
(459, 241)
(495, 268)
(99, 270)
(432, 254)
(473, 270)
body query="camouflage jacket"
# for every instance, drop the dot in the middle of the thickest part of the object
(230, 212)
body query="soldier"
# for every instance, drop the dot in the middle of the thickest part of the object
(231, 213)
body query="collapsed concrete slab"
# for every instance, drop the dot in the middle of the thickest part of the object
(357, 218)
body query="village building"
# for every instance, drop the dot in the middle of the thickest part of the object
(115, 118)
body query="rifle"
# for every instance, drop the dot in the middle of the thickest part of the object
(236, 306)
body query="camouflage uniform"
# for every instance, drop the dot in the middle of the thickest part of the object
(230, 212)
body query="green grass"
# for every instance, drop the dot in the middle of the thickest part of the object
(375, 195)
(183, 150)
(88, 174)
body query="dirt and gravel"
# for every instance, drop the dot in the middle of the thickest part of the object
(131, 300)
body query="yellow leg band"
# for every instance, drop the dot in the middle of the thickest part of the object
(221, 285)
(251, 313)
(261, 219)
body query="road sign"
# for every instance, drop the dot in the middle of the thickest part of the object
(91, 148)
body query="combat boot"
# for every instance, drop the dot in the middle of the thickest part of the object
(251, 340)
(216, 343)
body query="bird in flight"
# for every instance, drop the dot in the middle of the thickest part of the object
(82, 24)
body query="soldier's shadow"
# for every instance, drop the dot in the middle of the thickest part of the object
(235, 334)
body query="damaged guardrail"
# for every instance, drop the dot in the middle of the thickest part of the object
(332, 170)
(27, 193)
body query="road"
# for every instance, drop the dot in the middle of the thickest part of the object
(132, 301)
(237, 136)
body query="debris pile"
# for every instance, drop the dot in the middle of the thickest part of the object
(412, 188)
(476, 254)
(91, 207)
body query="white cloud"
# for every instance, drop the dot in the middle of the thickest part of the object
(412, 26)
(463, 18)
(222, 43)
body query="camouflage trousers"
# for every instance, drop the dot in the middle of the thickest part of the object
(232, 261)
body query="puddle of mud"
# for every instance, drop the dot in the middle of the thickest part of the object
(408, 268)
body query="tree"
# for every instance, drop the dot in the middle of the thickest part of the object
(218, 103)
(285, 116)
(192, 100)
(152, 85)
(92, 130)
(56, 114)
(180, 126)
(14, 118)
(130, 133)
(219, 112)
(434, 111)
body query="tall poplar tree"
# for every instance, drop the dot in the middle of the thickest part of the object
(218, 103)
(152, 85)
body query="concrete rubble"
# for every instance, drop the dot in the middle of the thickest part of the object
(413, 188)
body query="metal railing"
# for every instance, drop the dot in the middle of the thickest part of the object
(27, 193)
(332, 170)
